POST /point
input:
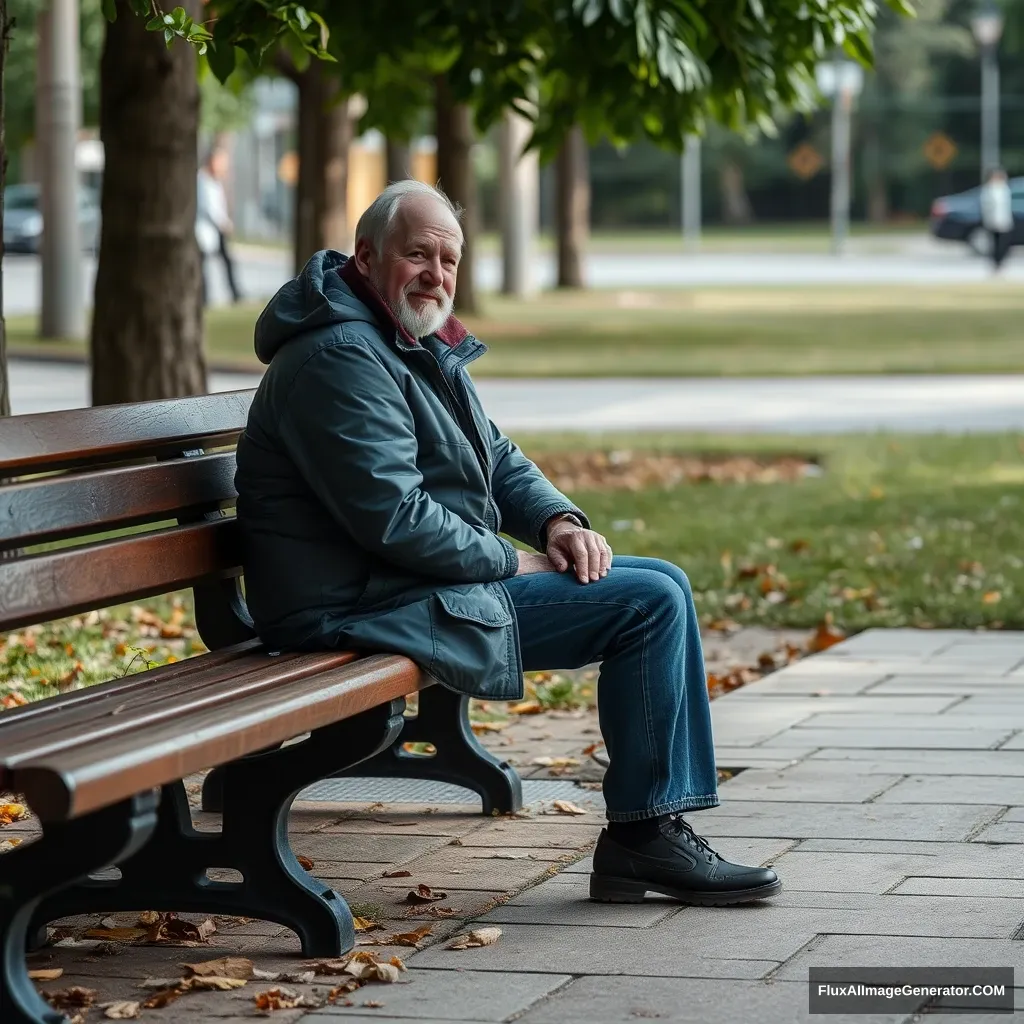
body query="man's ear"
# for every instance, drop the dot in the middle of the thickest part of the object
(362, 256)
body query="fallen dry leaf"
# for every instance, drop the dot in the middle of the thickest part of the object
(9, 844)
(169, 930)
(344, 989)
(305, 863)
(162, 997)
(45, 974)
(12, 812)
(424, 894)
(387, 973)
(363, 924)
(287, 977)
(526, 707)
(211, 983)
(397, 874)
(567, 807)
(432, 910)
(67, 998)
(482, 727)
(474, 939)
(992, 597)
(148, 918)
(224, 967)
(126, 1009)
(282, 999)
(825, 636)
(413, 938)
(373, 1004)
(555, 762)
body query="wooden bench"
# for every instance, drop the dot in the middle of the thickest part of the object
(103, 767)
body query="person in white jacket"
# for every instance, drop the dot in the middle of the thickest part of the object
(213, 223)
(997, 214)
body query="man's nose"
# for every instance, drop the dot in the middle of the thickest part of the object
(432, 273)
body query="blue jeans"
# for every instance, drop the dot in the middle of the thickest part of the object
(640, 623)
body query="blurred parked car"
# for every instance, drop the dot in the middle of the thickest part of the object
(23, 220)
(958, 217)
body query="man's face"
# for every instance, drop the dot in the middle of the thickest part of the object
(415, 272)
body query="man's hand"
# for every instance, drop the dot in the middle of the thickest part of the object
(587, 551)
(530, 561)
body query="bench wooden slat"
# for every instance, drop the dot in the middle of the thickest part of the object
(18, 719)
(94, 775)
(39, 588)
(50, 440)
(54, 507)
(168, 703)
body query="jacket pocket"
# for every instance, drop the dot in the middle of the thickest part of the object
(475, 647)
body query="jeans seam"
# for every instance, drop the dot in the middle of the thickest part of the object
(689, 803)
(651, 744)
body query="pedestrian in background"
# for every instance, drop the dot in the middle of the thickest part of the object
(997, 214)
(213, 224)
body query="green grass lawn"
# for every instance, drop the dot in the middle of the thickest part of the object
(710, 332)
(895, 531)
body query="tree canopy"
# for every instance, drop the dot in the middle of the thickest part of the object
(619, 68)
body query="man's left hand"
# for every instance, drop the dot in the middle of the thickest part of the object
(588, 552)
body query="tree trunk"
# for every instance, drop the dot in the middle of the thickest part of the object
(5, 30)
(572, 208)
(147, 329)
(321, 195)
(736, 208)
(454, 131)
(874, 164)
(399, 160)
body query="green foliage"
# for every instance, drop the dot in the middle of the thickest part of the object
(620, 68)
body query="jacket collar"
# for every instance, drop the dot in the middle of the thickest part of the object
(452, 332)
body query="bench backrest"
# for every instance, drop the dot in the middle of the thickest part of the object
(165, 469)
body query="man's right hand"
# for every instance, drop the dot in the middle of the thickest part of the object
(530, 562)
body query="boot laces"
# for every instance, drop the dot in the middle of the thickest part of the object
(679, 828)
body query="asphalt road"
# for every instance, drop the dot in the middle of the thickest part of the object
(786, 405)
(921, 262)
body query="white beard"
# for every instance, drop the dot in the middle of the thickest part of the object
(427, 320)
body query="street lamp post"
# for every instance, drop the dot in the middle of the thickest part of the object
(842, 80)
(690, 195)
(987, 26)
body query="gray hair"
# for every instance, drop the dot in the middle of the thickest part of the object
(376, 220)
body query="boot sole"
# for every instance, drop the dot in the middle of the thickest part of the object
(608, 889)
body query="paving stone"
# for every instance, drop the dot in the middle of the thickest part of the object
(755, 757)
(1014, 743)
(840, 872)
(925, 704)
(954, 789)
(1005, 721)
(935, 853)
(1014, 813)
(566, 902)
(960, 683)
(899, 948)
(994, 887)
(1002, 832)
(698, 953)
(608, 1000)
(456, 994)
(820, 681)
(814, 782)
(910, 643)
(392, 902)
(453, 871)
(418, 824)
(996, 763)
(899, 739)
(379, 848)
(847, 821)
(741, 928)
(559, 832)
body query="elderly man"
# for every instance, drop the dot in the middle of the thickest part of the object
(372, 490)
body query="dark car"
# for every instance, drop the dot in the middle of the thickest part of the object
(23, 220)
(958, 217)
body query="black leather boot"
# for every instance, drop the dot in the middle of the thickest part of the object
(675, 862)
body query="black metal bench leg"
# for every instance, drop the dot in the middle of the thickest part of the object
(66, 852)
(170, 872)
(443, 720)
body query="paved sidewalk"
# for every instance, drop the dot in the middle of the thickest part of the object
(884, 779)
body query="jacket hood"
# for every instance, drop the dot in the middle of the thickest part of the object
(329, 290)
